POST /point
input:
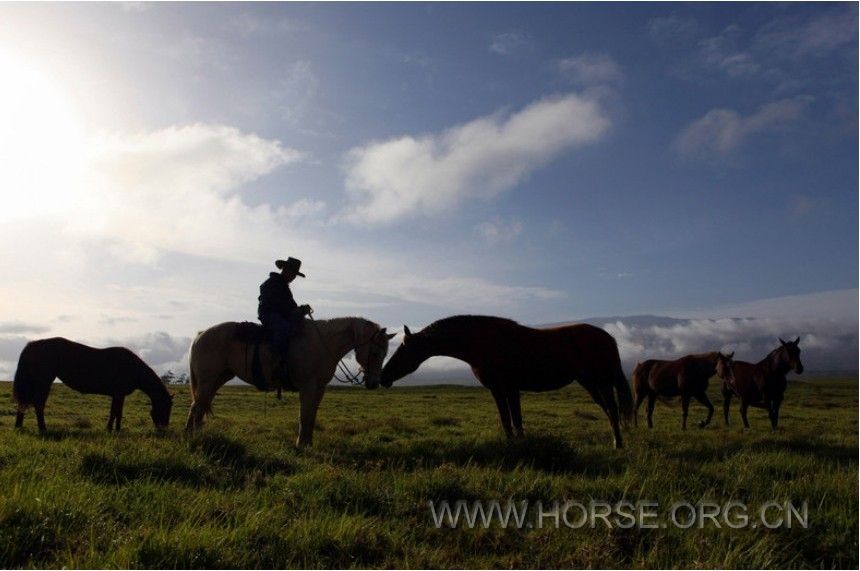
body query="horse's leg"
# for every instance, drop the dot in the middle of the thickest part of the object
(40, 413)
(112, 417)
(773, 413)
(310, 401)
(685, 409)
(640, 397)
(504, 411)
(744, 406)
(607, 395)
(703, 398)
(652, 400)
(202, 403)
(120, 402)
(19, 419)
(516, 412)
(604, 396)
(727, 401)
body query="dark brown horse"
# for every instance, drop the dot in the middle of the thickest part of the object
(507, 358)
(686, 377)
(115, 372)
(762, 385)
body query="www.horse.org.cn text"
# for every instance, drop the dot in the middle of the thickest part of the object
(624, 514)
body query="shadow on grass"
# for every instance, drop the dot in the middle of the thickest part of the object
(228, 465)
(542, 452)
(233, 456)
(32, 538)
(799, 445)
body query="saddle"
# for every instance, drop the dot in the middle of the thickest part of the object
(250, 332)
(254, 335)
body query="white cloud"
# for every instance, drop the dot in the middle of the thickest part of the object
(673, 27)
(722, 52)
(825, 344)
(721, 131)
(509, 42)
(429, 174)
(159, 350)
(591, 69)
(177, 189)
(297, 90)
(498, 230)
(821, 34)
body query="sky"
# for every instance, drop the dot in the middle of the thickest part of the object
(544, 162)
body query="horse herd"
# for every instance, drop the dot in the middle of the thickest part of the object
(506, 357)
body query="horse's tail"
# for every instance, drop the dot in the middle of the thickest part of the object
(639, 376)
(625, 396)
(195, 381)
(24, 385)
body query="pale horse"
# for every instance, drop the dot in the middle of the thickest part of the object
(217, 356)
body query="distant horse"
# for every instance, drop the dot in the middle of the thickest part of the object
(685, 377)
(762, 385)
(507, 358)
(218, 354)
(115, 372)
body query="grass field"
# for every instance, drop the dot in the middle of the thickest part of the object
(240, 495)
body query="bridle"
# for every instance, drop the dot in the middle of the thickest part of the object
(349, 377)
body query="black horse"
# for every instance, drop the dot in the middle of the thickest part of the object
(115, 372)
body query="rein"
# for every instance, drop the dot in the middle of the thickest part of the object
(350, 377)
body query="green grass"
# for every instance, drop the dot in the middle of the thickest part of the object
(239, 494)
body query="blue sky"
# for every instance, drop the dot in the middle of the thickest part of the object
(545, 162)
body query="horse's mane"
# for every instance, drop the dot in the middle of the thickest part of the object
(348, 318)
(457, 323)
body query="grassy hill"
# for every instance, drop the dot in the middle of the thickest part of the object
(239, 494)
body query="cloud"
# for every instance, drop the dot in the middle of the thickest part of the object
(135, 7)
(177, 189)
(509, 42)
(498, 231)
(673, 27)
(819, 35)
(297, 90)
(721, 131)
(159, 350)
(17, 327)
(590, 69)
(826, 345)
(429, 174)
(721, 52)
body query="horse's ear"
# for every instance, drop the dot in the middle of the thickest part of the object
(406, 331)
(391, 335)
(781, 341)
(731, 355)
(796, 341)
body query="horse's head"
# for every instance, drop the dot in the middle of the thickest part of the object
(789, 354)
(371, 354)
(406, 359)
(724, 367)
(161, 407)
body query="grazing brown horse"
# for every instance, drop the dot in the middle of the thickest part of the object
(763, 384)
(686, 377)
(507, 358)
(115, 372)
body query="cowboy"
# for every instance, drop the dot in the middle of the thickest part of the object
(278, 311)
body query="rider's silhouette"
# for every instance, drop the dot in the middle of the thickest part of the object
(277, 310)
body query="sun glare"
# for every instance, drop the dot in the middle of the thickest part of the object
(42, 143)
